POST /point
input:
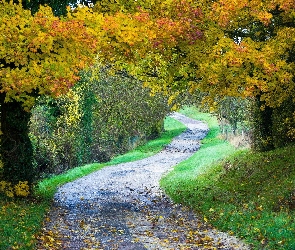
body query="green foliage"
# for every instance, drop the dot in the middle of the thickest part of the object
(102, 116)
(265, 128)
(47, 187)
(270, 125)
(233, 114)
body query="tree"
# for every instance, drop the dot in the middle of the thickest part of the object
(224, 48)
(39, 55)
(254, 58)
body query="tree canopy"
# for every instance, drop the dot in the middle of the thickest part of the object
(239, 48)
(226, 48)
(232, 48)
(40, 54)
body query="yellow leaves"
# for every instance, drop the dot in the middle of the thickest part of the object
(41, 52)
(51, 51)
(21, 189)
(131, 30)
(264, 17)
(226, 10)
(286, 4)
(2, 186)
(228, 13)
(254, 85)
(50, 240)
(259, 208)
(72, 109)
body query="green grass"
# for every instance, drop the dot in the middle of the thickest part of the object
(251, 195)
(21, 219)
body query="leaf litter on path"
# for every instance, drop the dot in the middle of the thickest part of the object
(122, 207)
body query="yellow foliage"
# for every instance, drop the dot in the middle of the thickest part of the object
(20, 189)
(2, 186)
(73, 113)
(41, 53)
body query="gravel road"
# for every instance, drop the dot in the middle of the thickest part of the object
(123, 207)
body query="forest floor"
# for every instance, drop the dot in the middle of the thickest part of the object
(123, 207)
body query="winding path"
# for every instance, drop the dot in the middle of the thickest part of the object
(123, 207)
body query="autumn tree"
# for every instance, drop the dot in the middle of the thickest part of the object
(254, 57)
(223, 48)
(39, 55)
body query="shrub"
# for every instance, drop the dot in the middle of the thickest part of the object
(21, 189)
(272, 126)
(103, 115)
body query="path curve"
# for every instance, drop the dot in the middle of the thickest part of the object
(122, 206)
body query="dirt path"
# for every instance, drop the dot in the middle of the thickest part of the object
(123, 207)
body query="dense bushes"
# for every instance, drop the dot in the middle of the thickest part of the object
(103, 115)
(272, 127)
(233, 114)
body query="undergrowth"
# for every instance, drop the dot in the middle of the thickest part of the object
(251, 195)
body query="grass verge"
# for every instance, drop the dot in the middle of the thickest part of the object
(21, 219)
(251, 195)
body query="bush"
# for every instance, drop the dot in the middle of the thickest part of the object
(272, 127)
(102, 116)
(249, 120)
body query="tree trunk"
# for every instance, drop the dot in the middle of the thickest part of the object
(16, 148)
(263, 136)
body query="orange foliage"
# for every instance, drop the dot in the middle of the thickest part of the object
(199, 42)
(40, 54)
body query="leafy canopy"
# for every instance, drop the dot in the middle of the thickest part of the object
(40, 54)
(225, 48)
